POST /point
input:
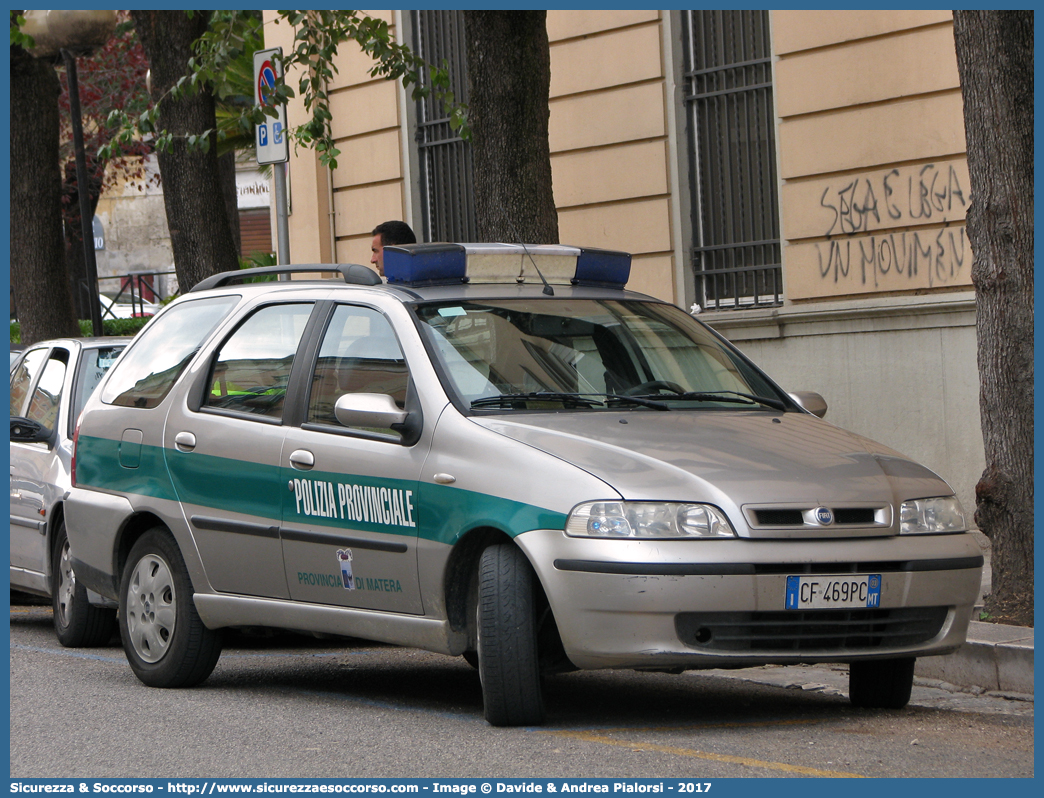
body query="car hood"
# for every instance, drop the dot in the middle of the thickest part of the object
(733, 459)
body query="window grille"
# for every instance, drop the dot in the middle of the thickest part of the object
(728, 102)
(447, 199)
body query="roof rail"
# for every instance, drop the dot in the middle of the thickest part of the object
(353, 274)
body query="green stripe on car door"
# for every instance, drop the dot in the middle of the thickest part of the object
(441, 513)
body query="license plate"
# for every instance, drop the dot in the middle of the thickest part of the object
(824, 592)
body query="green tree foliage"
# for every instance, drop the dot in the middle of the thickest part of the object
(223, 52)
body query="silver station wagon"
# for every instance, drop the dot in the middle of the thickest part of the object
(50, 383)
(500, 454)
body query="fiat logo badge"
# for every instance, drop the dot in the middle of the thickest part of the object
(824, 516)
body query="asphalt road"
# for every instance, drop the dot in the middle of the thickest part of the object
(299, 707)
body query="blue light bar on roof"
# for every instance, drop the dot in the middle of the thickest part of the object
(602, 268)
(426, 264)
(452, 264)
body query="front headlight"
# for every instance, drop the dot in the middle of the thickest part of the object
(932, 516)
(647, 520)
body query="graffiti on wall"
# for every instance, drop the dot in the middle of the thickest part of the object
(893, 261)
(898, 198)
(894, 198)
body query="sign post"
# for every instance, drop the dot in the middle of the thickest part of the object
(270, 140)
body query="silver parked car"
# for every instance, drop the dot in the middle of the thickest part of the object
(502, 454)
(50, 383)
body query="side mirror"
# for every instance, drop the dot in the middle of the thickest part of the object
(24, 430)
(372, 410)
(810, 401)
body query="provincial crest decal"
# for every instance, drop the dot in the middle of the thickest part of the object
(344, 559)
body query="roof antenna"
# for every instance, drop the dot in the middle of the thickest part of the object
(548, 290)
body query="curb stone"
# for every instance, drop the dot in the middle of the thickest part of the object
(995, 658)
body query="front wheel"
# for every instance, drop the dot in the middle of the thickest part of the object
(881, 684)
(509, 665)
(77, 622)
(166, 643)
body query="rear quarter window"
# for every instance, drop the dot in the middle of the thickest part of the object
(161, 351)
(93, 365)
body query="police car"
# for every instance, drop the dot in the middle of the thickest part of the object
(500, 454)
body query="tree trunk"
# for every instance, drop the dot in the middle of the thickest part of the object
(227, 167)
(38, 277)
(200, 232)
(995, 62)
(509, 81)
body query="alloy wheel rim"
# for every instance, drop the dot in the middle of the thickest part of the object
(66, 585)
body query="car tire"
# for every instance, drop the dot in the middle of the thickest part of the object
(509, 665)
(77, 622)
(166, 643)
(881, 684)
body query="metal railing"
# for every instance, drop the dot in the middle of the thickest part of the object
(141, 290)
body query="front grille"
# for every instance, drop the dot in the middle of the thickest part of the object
(796, 516)
(856, 515)
(809, 631)
(779, 517)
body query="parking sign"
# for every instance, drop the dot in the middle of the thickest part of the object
(270, 136)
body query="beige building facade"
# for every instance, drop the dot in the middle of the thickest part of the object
(868, 296)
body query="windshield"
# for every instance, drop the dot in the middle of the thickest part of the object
(586, 354)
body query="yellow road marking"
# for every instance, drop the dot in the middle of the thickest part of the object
(735, 760)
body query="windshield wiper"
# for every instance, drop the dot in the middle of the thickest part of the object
(508, 400)
(737, 397)
(643, 401)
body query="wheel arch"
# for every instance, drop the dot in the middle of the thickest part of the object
(56, 519)
(460, 576)
(461, 594)
(134, 527)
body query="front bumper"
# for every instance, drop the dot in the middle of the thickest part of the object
(720, 603)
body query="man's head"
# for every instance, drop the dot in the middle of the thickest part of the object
(388, 234)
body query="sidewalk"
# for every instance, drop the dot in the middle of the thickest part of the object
(996, 657)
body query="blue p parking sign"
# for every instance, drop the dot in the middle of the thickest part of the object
(270, 140)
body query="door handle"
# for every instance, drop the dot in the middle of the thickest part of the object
(185, 441)
(302, 460)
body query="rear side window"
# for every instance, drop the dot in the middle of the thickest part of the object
(162, 350)
(93, 365)
(252, 369)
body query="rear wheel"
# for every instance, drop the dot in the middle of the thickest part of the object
(166, 643)
(77, 622)
(509, 665)
(881, 684)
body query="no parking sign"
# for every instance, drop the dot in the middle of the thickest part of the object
(270, 136)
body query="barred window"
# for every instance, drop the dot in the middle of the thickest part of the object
(728, 98)
(447, 199)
